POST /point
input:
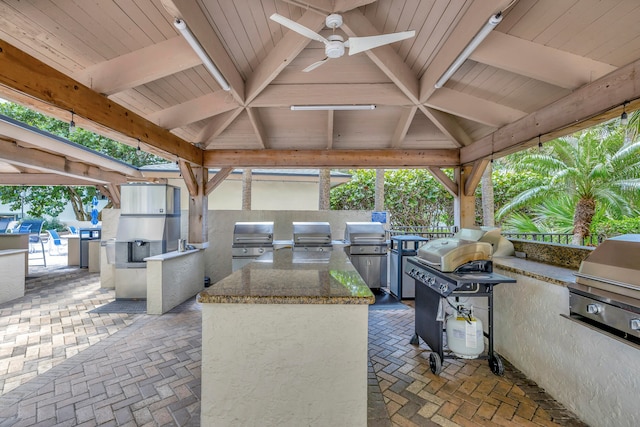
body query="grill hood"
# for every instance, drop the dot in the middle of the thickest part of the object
(614, 266)
(448, 253)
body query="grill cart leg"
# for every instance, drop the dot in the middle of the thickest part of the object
(415, 339)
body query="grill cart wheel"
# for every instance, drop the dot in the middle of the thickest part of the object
(495, 363)
(435, 363)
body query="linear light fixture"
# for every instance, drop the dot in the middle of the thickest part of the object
(199, 50)
(473, 44)
(331, 107)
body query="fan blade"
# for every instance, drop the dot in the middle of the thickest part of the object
(300, 29)
(315, 65)
(360, 44)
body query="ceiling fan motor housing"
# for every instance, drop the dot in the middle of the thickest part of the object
(335, 47)
(333, 21)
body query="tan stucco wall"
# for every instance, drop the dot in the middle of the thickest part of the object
(265, 195)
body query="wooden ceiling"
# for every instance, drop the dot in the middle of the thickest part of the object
(549, 68)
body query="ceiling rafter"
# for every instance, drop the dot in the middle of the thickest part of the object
(404, 122)
(473, 20)
(330, 93)
(194, 110)
(585, 107)
(258, 127)
(13, 153)
(139, 67)
(195, 17)
(216, 125)
(539, 62)
(31, 77)
(473, 108)
(282, 55)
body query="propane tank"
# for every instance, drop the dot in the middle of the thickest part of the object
(464, 333)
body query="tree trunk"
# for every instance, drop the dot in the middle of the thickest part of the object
(379, 195)
(324, 187)
(246, 189)
(585, 210)
(488, 203)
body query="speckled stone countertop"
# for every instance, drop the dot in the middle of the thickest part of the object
(293, 278)
(537, 270)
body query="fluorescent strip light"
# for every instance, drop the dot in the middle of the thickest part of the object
(331, 107)
(199, 50)
(482, 34)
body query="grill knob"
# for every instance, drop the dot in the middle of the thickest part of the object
(594, 308)
(431, 280)
(444, 288)
(634, 324)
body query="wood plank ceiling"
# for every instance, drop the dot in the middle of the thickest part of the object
(549, 67)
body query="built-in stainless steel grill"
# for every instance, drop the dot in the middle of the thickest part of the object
(311, 236)
(250, 241)
(606, 294)
(367, 249)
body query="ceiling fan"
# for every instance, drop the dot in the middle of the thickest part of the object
(335, 44)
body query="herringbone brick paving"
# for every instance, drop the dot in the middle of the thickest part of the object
(64, 366)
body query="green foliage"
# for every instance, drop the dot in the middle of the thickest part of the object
(619, 226)
(51, 200)
(596, 164)
(412, 197)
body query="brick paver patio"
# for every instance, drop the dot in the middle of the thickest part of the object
(61, 365)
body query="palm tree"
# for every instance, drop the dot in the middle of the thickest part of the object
(595, 168)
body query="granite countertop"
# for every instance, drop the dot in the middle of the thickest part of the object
(537, 270)
(293, 278)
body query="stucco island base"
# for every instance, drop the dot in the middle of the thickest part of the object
(284, 365)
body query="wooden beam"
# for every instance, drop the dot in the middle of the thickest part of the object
(330, 158)
(402, 127)
(216, 125)
(385, 57)
(139, 67)
(281, 55)
(198, 233)
(475, 17)
(51, 163)
(578, 110)
(188, 177)
(217, 179)
(444, 179)
(194, 110)
(258, 127)
(113, 192)
(196, 20)
(32, 77)
(330, 93)
(539, 62)
(34, 137)
(473, 108)
(447, 125)
(42, 179)
(474, 177)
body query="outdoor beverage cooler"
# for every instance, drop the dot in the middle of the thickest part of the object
(86, 235)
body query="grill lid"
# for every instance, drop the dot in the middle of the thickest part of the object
(613, 266)
(364, 233)
(252, 233)
(311, 233)
(449, 253)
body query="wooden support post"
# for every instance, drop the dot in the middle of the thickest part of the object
(198, 209)
(464, 205)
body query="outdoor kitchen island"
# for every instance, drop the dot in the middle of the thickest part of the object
(285, 343)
